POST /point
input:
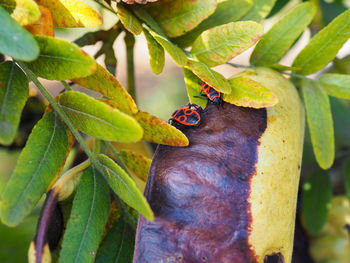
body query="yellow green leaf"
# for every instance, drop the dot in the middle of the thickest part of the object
(178, 55)
(324, 46)
(61, 60)
(98, 119)
(130, 22)
(248, 93)
(179, 17)
(194, 88)
(222, 43)
(72, 13)
(320, 122)
(158, 131)
(25, 12)
(260, 10)
(125, 187)
(226, 11)
(206, 74)
(156, 53)
(278, 40)
(336, 85)
(137, 164)
(105, 83)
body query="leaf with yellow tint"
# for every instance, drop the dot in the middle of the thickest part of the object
(25, 12)
(137, 163)
(248, 93)
(72, 13)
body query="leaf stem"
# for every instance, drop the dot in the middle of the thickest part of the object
(63, 116)
(66, 86)
(299, 76)
(130, 44)
(106, 7)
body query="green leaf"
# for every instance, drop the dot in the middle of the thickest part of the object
(194, 88)
(177, 54)
(25, 12)
(155, 129)
(13, 96)
(324, 46)
(248, 93)
(61, 60)
(222, 43)
(87, 220)
(260, 10)
(206, 74)
(129, 21)
(320, 122)
(156, 53)
(105, 83)
(278, 40)
(317, 194)
(125, 187)
(118, 245)
(37, 167)
(143, 15)
(68, 13)
(179, 17)
(137, 163)
(346, 172)
(158, 131)
(337, 85)
(341, 123)
(15, 41)
(98, 119)
(226, 11)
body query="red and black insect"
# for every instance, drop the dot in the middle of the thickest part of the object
(213, 95)
(189, 116)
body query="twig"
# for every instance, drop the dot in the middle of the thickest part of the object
(130, 44)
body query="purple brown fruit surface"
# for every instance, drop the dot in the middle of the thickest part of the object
(230, 196)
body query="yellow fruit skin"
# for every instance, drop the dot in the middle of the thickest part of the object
(274, 186)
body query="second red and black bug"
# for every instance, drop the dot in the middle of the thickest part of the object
(189, 116)
(213, 95)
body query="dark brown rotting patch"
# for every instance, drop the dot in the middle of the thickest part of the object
(275, 258)
(199, 194)
(347, 227)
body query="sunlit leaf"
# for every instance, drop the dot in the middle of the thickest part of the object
(317, 194)
(25, 12)
(137, 164)
(194, 88)
(178, 55)
(72, 13)
(346, 172)
(206, 74)
(87, 220)
(130, 22)
(248, 93)
(118, 245)
(324, 46)
(320, 122)
(98, 119)
(222, 43)
(125, 187)
(226, 11)
(61, 60)
(156, 53)
(15, 41)
(260, 10)
(105, 83)
(43, 26)
(13, 96)
(37, 167)
(337, 85)
(278, 40)
(179, 17)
